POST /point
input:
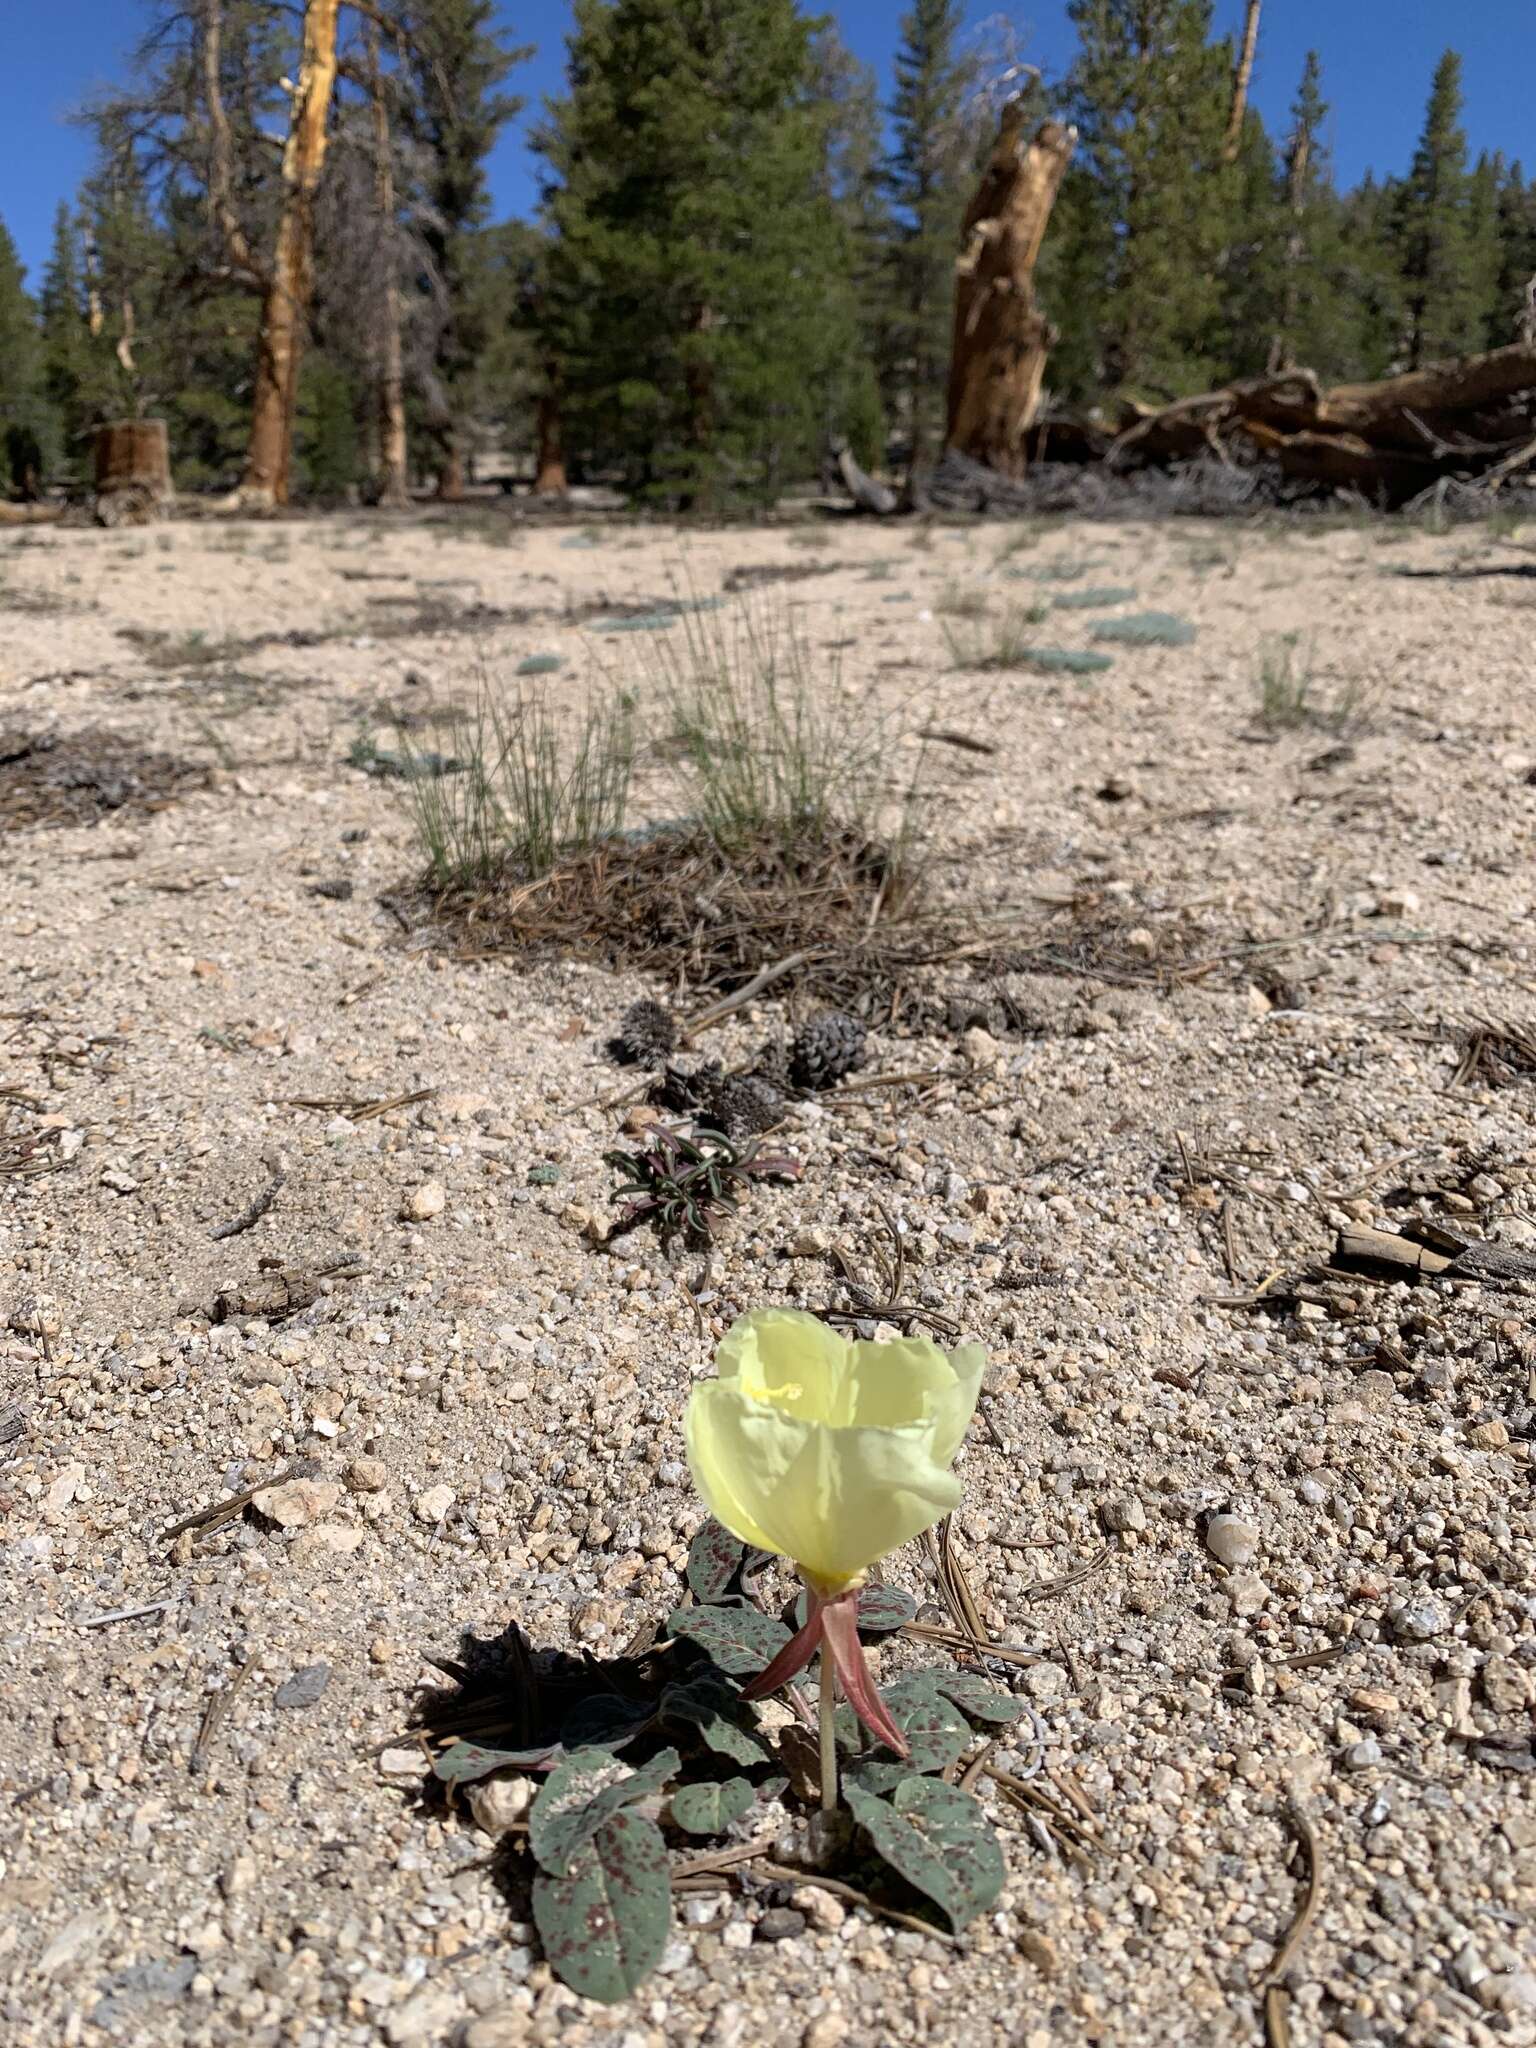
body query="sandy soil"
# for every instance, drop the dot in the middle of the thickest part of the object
(492, 1405)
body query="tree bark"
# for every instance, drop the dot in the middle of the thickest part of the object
(290, 286)
(132, 461)
(549, 480)
(393, 453)
(1242, 78)
(1001, 339)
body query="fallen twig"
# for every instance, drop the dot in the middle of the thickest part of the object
(233, 1504)
(785, 1874)
(1312, 1898)
(217, 1713)
(249, 1218)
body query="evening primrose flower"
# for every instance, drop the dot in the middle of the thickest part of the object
(830, 1454)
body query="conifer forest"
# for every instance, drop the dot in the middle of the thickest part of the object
(767, 1024)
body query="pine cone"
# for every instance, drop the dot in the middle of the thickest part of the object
(647, 1033)
(684, 1093)
(741, 1105)
(826, 1049)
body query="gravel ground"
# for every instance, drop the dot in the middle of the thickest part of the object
(492, 1405)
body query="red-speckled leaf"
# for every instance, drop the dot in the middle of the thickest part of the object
(467, 1761)
(739, 1640)
(604, 1924)
(581, 1794)
(939, 1840)
(714, 1558)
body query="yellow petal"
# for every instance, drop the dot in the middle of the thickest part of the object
(911, 1380)
(791, 1358)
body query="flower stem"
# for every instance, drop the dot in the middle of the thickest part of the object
(826, 1728)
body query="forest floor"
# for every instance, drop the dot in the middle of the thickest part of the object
(1258, 952)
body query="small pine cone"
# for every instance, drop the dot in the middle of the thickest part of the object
(826, 1049)
(647, 1033)
(741, 1105)
(772, 1062)
(684, 1093)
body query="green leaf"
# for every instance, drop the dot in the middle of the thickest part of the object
(882, 1610)
(936, 1731)
(604, 1923)
(540, 664)
(1146, 629)
(939, 1840)
(710, 1809)
(714, 1558)
(977, 1699)
(740, 1640)
(605, 1722)
(1093, 599)
(580, 1794)
(467, 1761)
(716, 1714)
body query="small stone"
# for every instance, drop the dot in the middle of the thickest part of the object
(425, 1202)
(1397, 902)
(329, 1539)
(829, 2031)
(499, 1803)
(810, 1243)
(981, 1049)
(780, 1923)
(434, 1504)
(75, 1939)
(1418, 1621)
(402, 1763)
(1379, 1709)
(1246, 1591)
(1362, 1756)
(1506, 1687)
(824, 1910)
(1488, 1436)
(297, 1502)
(304, 1687)
(426, 2016)
(1231, 1541)
(1041, 1951)
(1124, 1514)
(367, 1475)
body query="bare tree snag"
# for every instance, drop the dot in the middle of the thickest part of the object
(290, 284)
(1242, 78)
(393, 454)
(221, 154)
(1001, 339)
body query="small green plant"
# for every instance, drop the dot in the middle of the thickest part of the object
(1287, 696)
(998, 641)
(1146, 629)
(1093, 599)
(959, 601)
(523, 798)
(809, 537)
(689, 1181)
(1066, 661)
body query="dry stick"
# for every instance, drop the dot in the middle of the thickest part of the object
(743, 995)
(232, 1504)
(1277, 2028)
(1311, 1900)
(217, 1713)
(723, 1859)
(786, 1875)
(249, 1218)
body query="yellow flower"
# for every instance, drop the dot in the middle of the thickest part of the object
(826, 1452)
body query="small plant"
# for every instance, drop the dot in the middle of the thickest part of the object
(1146, 629)
(1095, 598)
(1287, 699)
(1067, 661)
(1000, 641)
(523, 798)
(956, 601)
(690, 1181)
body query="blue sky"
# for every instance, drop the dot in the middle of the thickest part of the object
(1377, 58)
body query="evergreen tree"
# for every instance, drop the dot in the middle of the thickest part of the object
(1150, 94)
(697, 300)
(27, 426)
(1439, 255)
(1370, 225)
(68, 355)
(928, 176)
(1483, 188)
(847, 91)
(1515, 293)
(1252, 268)
(1316, 319)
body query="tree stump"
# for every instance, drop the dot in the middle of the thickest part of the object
(133, 471)
(997, 364)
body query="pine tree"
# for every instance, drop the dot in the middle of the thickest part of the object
(928, 180)
(1370, 235)
(1439, 255)
(1315, 324)
(1150, 94)
(1253, 259)
(1515, 295)
(697, 302)
(1483, 188)
(27, 425)
(68, 355)
(847, 92)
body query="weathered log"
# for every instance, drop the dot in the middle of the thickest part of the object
(1393, 409)
(868, 495)
(1001, 339)
(29, 515)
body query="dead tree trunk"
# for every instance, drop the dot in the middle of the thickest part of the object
(1001, 339)
(133, 471)
(290, 284)
(1242, 78)
(393, 457)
